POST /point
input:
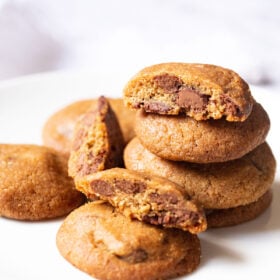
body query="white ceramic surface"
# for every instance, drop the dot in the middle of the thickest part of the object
(28, 250)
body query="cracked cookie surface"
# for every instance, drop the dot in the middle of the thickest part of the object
(201, 91)
(216, 185)
(107, 245)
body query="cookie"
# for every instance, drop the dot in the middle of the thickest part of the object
(34, 184)
(97, 142)
(147, 198)
(107, 245)
(201, 91)
(58, 129)
(182, 138)
(216, 185)
(233, 216)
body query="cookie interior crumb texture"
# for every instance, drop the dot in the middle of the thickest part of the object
(97, 143)
(148, 198)
(201, 91)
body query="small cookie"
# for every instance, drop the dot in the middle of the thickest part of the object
(34, 184)
(107, 245)
(97, 142)
(241, 214)
(58, 129)
(201, 91)
(147, 198)
(217, 185)
(182, 138)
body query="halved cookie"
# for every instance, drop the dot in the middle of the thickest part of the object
(147, 198)
(97, 143)
(201, 91)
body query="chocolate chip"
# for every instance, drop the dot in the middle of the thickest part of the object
(231, 108)
(169, 83)
(163, 198)
(191, 99)
(104, 188)
(130, 187)
(101, 187)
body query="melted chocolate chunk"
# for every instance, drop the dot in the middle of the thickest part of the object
(130, 187)
(231, 108)
(163, 198)
(185, 97)
(101, 187)
(173, 219)
(191, 99)
(168, 82)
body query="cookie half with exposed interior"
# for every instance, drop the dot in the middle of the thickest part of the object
(97, 142)
(201, 91)
(145, 197)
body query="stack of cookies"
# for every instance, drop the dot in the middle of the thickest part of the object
(199, 126)
(199, 159)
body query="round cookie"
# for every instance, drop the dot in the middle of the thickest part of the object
(107, 245)
(201, 91)
(58, 130)
(182, 138)
(233, 216)
(34, 184)
(217, 185)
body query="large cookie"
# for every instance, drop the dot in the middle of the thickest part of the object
(234, 216)
(182, 138)
(217, 185)
(201, 91)
(58, 129)
(107, 245)
(34, 183)
(147, 198)
(97, 142)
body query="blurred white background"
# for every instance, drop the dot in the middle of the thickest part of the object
(124, 36)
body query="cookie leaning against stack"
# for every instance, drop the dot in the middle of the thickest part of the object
(200, 127)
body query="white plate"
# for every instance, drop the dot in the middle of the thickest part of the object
(28, 250)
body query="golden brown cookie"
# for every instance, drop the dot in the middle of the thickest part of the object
(241, 214)
(182, 138)
(147, 198)
(34, 183)
(107, 245)
(217, 185)
(201, 91)
(97, 142)
(58, 129)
